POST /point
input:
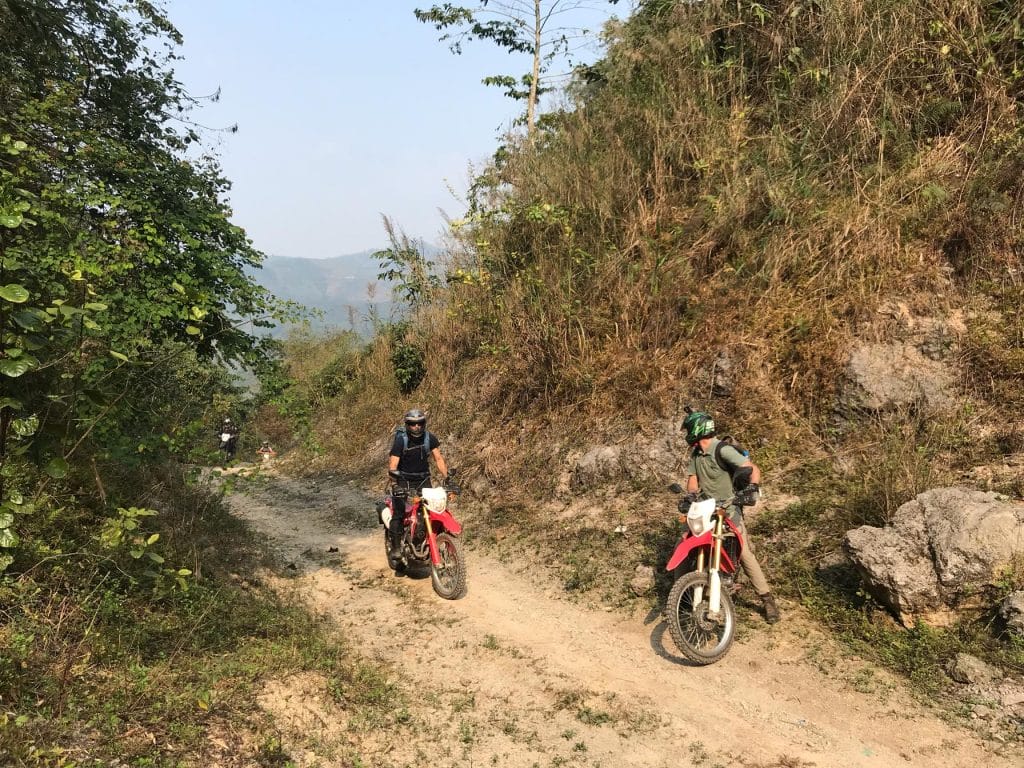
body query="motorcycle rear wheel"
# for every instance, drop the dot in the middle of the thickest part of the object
(449, 580)
(699, 637)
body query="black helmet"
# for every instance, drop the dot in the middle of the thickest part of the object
(227, 420)
(697, 426)
(415, 421)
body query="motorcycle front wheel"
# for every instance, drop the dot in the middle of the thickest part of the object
(449, 577)
(392, 564)
(701, 637)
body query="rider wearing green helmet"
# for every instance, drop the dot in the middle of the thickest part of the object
(697, 426)
(707, 474)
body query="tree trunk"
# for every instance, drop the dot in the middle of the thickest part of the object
(531, 105)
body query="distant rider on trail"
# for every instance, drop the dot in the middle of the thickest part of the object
(704, 474)
(409, 469)
(230, 443)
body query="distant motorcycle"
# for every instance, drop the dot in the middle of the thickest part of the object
(430, 535)
(700, 614)
(228, 444)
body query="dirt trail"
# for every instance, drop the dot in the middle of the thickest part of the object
(515, 675)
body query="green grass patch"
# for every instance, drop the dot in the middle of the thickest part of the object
(96, 666)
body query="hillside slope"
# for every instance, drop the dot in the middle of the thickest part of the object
(803, 217)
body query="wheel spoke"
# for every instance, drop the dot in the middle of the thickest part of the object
(449, 575)
(700, 638)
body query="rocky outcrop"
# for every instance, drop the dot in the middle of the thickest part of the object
(885, 376)
(902, 361)
(940, 553)
(1011, 610)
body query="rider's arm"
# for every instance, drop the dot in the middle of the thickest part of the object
(692, 486)
(392, 465)
(755, 475)
(442, 466)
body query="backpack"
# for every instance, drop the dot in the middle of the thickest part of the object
(405, 440)
(723, 441)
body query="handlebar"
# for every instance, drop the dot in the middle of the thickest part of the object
(741, 498)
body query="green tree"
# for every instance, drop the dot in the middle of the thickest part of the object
(117, 253)
(531, 27)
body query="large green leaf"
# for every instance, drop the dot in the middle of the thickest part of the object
(8, 538)
(14, 293)
(29, 319)
(25, 427)
(56, 468)
(14, 368)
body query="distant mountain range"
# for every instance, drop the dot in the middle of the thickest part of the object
(343, 288)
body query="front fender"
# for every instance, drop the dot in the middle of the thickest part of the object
(688, 543)
(444, 522)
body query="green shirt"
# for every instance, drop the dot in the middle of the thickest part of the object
(714, 480)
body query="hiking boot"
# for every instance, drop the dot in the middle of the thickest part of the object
(771, 610)
(394, 549)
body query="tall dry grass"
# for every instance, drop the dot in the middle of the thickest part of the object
(747, 179)
(754, 176)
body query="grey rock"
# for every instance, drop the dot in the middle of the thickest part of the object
(643, 580)
(480, 487)
(971, 670)
(598, 466)
(884, 376)
(940, 552)
(1011, 695)
(1012, 611)
(722, 375)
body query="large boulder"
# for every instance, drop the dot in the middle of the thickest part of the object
(940, 553)
(1012, 612)
(885, 376)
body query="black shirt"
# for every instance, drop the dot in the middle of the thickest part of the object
(414, 459)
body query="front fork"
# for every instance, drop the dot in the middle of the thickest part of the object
(714, 574)
(435, 556)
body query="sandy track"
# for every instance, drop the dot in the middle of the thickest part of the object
(516, 675)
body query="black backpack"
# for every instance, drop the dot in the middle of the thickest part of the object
(722, 442)
(405, 440)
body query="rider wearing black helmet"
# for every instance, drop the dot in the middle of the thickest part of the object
(409, 468)
(707, 475)
(229, 443)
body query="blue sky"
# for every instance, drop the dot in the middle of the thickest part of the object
(346, 110)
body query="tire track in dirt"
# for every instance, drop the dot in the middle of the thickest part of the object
(516, 675)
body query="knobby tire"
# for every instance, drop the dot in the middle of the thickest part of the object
(699, 638)
(449, 581)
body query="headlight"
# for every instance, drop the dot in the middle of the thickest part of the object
(698, 519)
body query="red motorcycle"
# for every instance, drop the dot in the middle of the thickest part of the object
(700, 614)
(430, 535)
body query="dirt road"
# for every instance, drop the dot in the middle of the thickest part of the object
(516, 675)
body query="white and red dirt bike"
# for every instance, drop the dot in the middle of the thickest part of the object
(228, 444)
(430, 536)
(699, 611)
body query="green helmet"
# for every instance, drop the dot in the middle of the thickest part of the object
(698, 426)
